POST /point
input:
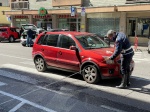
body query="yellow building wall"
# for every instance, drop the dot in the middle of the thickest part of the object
(3, 19)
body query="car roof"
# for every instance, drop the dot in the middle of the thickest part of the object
(74, 33)
(8, 27)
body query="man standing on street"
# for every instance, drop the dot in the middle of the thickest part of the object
(29, 37)
(122, 46)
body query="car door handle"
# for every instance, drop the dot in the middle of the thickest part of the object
(60, 53)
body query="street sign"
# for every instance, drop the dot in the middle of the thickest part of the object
(83, 11)
(73, 11)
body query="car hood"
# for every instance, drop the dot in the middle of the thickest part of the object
(103, 51)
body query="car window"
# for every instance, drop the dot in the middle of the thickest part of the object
(91, 42)
(41, 39)
(3, 30)
(66, 42)
(50, 40)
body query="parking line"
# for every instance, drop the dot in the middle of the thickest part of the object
(112, 109)
(15, 57)
(2, 84)
(26, 101)
(17, 107)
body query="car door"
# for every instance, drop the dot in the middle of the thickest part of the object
(49, 48)
(4, 33)
(67, 58)
(14, 33)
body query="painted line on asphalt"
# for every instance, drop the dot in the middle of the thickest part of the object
(2, 84)
(17, 107)
(27, 102)
(15, 57)
(27, 63)
(111, 108)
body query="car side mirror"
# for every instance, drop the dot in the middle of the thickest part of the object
(73, 48)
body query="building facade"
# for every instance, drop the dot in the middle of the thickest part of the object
(4, 19)
(129, 16)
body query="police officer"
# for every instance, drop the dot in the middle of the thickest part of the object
(122, 46)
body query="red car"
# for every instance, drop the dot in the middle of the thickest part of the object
(8, 33)
(77, 52)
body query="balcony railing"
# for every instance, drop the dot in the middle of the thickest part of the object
(19, 5)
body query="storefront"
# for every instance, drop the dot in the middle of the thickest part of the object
(102, 22)
(43, 21)
(20, 19)
(68, 22)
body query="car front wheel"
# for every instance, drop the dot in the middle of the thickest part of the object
(40, 64)
(90, 74)
(11, 39)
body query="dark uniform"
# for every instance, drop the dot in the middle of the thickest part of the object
(123, 46)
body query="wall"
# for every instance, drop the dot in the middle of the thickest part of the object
(3, 19)
(96, 3)
(36, 5)
(4, 2)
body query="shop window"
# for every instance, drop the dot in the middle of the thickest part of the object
(40, 0)
(0, 4)
(143, 27)
(139, 27)
(102, 25)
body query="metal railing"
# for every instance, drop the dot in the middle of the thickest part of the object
(19, 5)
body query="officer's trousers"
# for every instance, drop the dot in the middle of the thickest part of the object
(125, 63)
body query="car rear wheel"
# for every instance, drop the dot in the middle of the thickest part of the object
(11, 39)
(40, 64)
(90, 74)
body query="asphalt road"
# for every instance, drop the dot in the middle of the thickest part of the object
(23, 89)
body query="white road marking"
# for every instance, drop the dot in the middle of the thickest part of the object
(15, 57)
(112, 109)
(27, 63)
(27, 102)
(17, 107)
(2, 84)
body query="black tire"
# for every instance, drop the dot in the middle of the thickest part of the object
(40, 64)
(148, 51)
(24, 43)
(11, 39)
(91, 74)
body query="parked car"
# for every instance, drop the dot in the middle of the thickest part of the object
(23, 39)
(78, 52)
(26, 27)
(9, 33)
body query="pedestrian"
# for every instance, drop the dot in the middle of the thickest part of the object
(21, 31)
(30, 34)
(123, 47)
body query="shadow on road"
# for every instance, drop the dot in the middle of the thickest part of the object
(87, 94)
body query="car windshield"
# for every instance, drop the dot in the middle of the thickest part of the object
(27, 27)
(91, 42)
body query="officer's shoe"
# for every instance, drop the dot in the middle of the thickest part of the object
(123, 84)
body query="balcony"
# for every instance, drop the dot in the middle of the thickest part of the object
(19, 5)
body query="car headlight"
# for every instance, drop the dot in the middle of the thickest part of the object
(108, 61)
